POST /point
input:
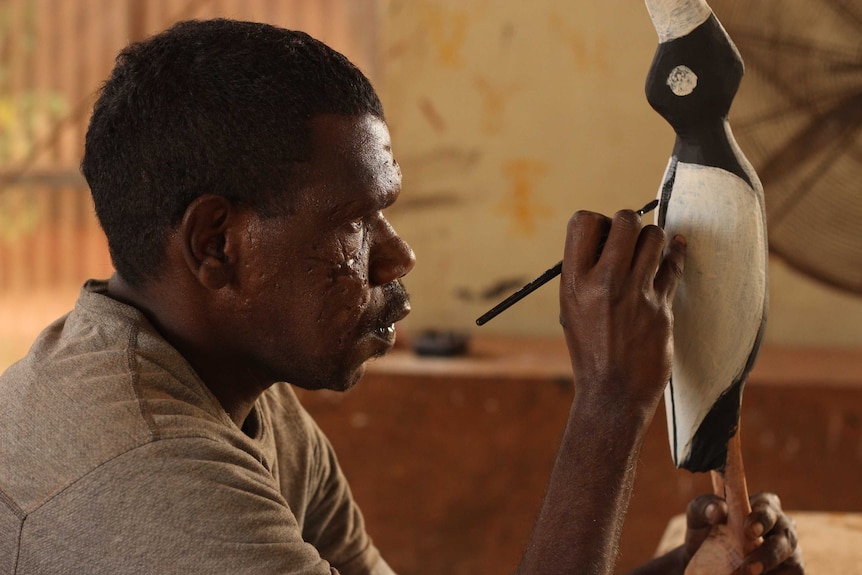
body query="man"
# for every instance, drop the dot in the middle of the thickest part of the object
(240, 173)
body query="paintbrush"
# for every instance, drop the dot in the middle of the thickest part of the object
(542, 279)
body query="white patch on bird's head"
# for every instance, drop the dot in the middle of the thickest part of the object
(682, 80)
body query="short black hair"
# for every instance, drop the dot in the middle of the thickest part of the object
(212, 106)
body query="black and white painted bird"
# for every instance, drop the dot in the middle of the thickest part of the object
(711, 195)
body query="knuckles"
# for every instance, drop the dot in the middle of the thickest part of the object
(585, 216)
(767, 499)
(585, 219)
(697, 506)
(654, 234)
(628, 219)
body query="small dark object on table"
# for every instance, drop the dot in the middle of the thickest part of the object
(439, 343)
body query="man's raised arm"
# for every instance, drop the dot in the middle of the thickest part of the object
(616, 314)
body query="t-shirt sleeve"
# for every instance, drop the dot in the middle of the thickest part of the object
(190, 505)
(333, 521)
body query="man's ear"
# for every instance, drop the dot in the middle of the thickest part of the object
(209, 233)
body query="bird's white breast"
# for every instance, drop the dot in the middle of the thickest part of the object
(719, 305)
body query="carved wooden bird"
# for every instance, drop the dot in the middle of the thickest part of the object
(711, 195)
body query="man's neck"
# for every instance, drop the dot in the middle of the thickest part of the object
(186, 324)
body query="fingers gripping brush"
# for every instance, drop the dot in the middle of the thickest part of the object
(549, 274)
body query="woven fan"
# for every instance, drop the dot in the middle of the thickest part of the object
(798, 116)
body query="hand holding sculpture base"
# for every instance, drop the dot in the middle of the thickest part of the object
(726, 546)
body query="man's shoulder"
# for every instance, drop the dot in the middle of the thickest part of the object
(96, 384)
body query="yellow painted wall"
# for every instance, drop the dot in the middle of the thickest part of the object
(507, 116)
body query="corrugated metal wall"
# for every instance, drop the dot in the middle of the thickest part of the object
(54, 55)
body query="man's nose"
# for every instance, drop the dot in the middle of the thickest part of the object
(391, 260)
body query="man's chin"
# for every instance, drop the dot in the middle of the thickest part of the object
(341, 382)
(351, 380)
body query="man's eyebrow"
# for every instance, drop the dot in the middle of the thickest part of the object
(347, 209)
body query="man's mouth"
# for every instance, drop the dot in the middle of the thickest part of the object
(398, 306)
(385, 329)
(386, 332)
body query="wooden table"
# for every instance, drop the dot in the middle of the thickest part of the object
(449, 457)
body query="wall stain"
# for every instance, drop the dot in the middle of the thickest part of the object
(521, 203)
(432, 180)
(448, 31)
(445, 162)
(507, 34)
(429, 201)
(398, 50)
(498, 290)
(432, 116)
(586, 55)
(494, 99)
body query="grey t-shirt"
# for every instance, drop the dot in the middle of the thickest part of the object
(116, 458)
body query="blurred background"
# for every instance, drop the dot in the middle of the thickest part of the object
(54, 56)
(506, 116)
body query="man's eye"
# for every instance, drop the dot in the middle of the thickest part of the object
(356, 225)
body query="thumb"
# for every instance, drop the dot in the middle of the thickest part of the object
(671, 270)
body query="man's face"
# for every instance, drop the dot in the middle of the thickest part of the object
(322, 282)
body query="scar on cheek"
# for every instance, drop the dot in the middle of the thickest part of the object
(344, 271)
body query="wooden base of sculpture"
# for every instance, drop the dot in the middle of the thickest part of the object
(723, 551)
